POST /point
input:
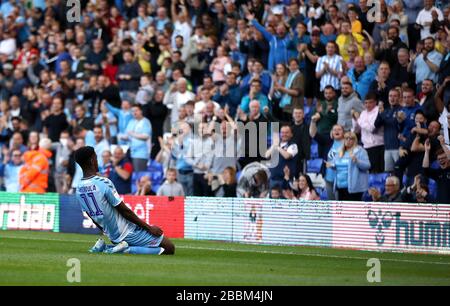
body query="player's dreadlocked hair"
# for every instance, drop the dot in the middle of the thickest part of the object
(83, 156)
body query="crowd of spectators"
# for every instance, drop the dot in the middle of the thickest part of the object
(359, 91)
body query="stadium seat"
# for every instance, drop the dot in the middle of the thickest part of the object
(433, 188)
(314, 165)
(314, 150)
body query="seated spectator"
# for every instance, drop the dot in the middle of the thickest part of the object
(276, 193)
(352, 169)
(171, 187)
(418, 192)
(392, 191)
(144, 186)
(120, 174)
(306, 189)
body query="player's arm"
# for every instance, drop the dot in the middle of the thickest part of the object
(131, 216)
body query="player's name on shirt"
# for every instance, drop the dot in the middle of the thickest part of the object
(87, 188)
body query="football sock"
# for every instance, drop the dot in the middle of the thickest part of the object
(143, 250)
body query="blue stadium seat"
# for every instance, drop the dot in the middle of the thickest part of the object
(433, 188)
(322, 193)
(314, 150)
(314, 165)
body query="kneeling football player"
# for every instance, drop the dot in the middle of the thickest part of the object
(99, 199)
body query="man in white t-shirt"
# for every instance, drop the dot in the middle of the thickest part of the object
(425, 18)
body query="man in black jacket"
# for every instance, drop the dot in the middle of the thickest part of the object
(301, 138)
(441, 175)
(388, 50)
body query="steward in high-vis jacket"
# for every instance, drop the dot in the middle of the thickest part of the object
(33, 177)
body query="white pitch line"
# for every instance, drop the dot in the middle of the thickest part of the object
(261, 252)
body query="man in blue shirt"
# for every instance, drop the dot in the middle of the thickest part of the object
(138, 133)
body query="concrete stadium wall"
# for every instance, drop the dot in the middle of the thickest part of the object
(393, 227)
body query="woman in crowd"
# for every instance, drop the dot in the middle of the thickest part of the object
(352, 169)
(306, 189)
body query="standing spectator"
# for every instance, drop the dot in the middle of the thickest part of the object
(56, 122)
(329, 68)
(144, 187)
(361, 77)
(400, 74)
(426, 101)
(322, 122)
(177, 96)
(387, 118)
(348, 38)
(311, 53)
(348, 105)
(170, 187)
(426, 64)
(389, 49)
(105, 170)
(425, 18)
(292, 90)
(108, 122)
(278, 80)
(337, 136)
(129, 75)
(218, 65)
(300, 136)
(250, 150)
(157, 113)
(121, 171)
(139, 132)
(352, 169)
(201, 155)
(279, 43)
(181, 147)
(255, 94)
(34, 173)
(63, 150)
(442, 175)
(382, 83)
(124, 116)
(229, 94)
(101, 144)
(11, 171)
(371, 136)
(282, 153)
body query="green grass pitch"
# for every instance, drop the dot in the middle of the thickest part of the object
(40, 258)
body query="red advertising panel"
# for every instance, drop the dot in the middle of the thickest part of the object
(165, 212)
